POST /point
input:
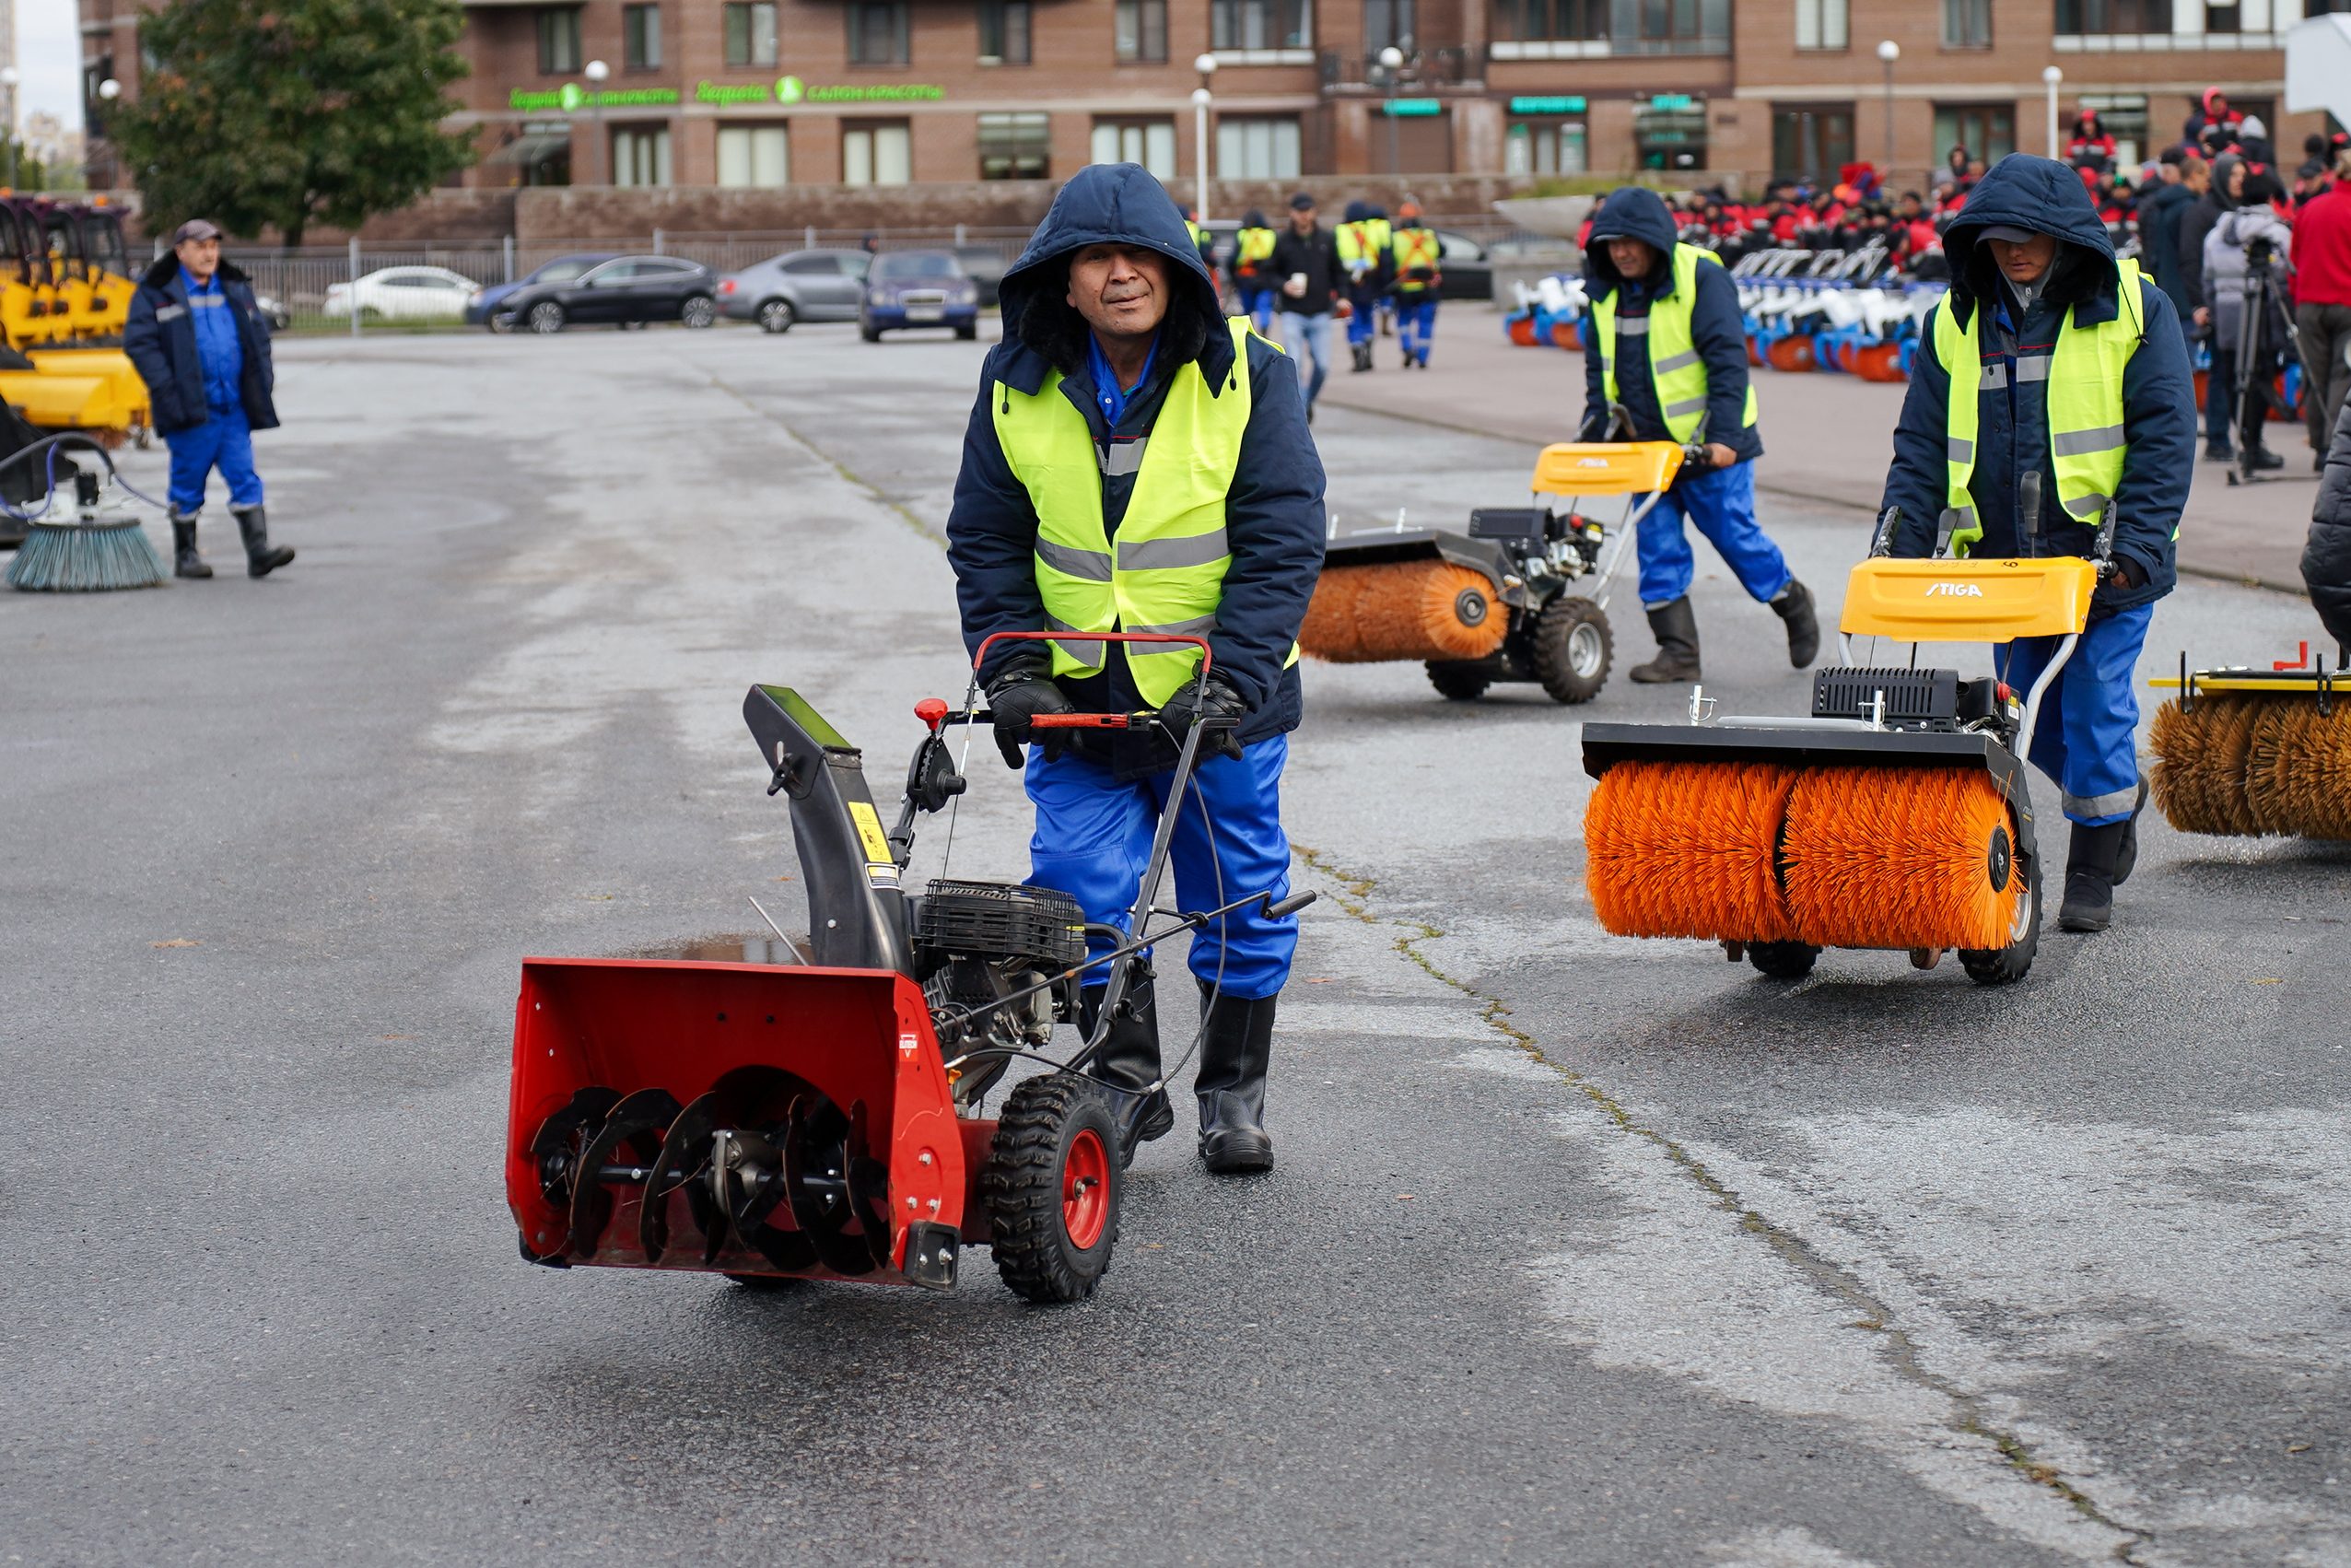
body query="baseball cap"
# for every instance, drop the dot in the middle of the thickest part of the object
(2009, 231)
(195, 228)
(1301, 202)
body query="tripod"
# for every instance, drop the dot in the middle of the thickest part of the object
(2262, 326)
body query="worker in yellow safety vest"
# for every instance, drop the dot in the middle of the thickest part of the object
(2052, 394)
(1414, 253)
(1139, 465)
(1364, 237)
(1253, 276)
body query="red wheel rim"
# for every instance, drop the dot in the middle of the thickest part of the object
(1085, 1189)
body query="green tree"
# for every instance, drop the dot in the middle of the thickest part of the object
(290, 112)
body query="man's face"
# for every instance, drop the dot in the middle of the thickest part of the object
(2237, 183)
(2219, 105)
(2024, 263)
(201, 257)
(1301, 219)
(1121, 290)
(1631, 258)
(2197, 177)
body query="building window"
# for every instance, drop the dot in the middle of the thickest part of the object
(877, 32)
(751, 33)
(877, 154)
(1250, 148)
(1988, 130)
(1004, 32)
(1151, 143)
(641, 157)
(1261, 24)
(1139, 31)
(1670, 137)
(1544, 21)
(640, 37)
(1386, 23)
(1674, 27)
(1015, 147)
(1967, 24)
(2122, 17)
(558, 41)
(753, 155)
(1544, 146)
(1811, 140)
(1823, 24)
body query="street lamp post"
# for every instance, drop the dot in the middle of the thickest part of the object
(1201, 98)
(1887, 52)
(1392, 62)
(108, 91)
(596, 71)
(2051, 75)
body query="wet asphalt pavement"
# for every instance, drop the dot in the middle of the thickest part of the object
(1579, 1249)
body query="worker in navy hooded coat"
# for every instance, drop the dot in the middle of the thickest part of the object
(2087, 733)
(1172, 407)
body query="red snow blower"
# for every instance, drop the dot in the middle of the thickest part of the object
(822, 1119)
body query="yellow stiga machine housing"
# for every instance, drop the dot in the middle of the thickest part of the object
(1895, 815)
(2250, 753)
(1494, 604)
(107, 259)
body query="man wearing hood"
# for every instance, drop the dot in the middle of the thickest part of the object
(1137, 464)
(2049, 359)
(1669, 350)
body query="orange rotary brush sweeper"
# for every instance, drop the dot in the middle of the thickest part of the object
(2250, 753)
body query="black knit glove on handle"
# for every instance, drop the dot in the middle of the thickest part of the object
(1208, 699)
(1019, 695)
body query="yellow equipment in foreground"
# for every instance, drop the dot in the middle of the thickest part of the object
(2250, 753)
(1895, 815)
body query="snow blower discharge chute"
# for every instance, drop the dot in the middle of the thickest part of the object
(823, 1119)
(2254, 753)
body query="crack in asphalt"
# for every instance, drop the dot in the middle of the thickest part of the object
(1353, 893)
(848, 475)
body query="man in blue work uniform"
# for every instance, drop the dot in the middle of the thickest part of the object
(197, 340)
(2079, 376)
(1135, 463)
(1667, 346)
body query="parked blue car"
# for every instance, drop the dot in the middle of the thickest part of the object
(918, 288)
(489, 310)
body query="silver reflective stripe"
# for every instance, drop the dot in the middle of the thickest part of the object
(1686, 406)
(2081, 443)
(1962, 520)
(2119, 803)
(1123, 458)
(1673, 362)
(2032, 368)
(1199, 626)
(1633, 326)
(1093, 565)
(1994, 377)
(1165, 554)
(1090, 654)
(2089, 507)
(1958, 451)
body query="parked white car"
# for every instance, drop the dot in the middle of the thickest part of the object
(404, 294)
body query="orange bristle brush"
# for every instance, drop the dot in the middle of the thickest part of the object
(2198, 777)
(2297, 770)
(1404, 610)
(1329, 628)
(1900, 857)
(1687, 849)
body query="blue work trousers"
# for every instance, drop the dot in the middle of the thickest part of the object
(1313, 335)
(224, 442)
(1092, 840)
(2085, 737)
(1416, 323)
(1257, 303)
(1722, 503)
(1363, 299)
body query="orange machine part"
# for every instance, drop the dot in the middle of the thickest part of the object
(1403, 610)
(1898, 857)
(1687, 849)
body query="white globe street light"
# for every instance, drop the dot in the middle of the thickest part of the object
(596, 71)
(2051, 76)
(1206, 65)
(1887, 52)
(110, 89)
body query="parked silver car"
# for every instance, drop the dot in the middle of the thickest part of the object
(799, 286)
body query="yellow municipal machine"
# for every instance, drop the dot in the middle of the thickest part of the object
(65, 295)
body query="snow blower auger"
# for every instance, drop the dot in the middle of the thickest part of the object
(1494, 604)
(1895, 815)
(822, 1119)
(2250, 753)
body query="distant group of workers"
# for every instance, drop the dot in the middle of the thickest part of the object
(1380, 273)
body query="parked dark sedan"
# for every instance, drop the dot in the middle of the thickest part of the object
(627, 291)
(918, 288)
(492, 310)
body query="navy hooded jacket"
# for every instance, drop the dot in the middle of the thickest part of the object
(2012, 420)
(1717, 328)
(1274, 511)
(159, 337)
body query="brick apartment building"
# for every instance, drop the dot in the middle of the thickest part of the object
(773, 93)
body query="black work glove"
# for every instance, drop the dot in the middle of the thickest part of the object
(1019, 695)
(1205, 698)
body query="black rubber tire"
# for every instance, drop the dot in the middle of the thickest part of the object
(1558, 642)
(1782, 960)
(500, 323)
(868, 332)
(2006, 966)
(969, 333)
(1021, 1186)
(1457, 685)
(699, 312)
(776, 316)
(545, 317)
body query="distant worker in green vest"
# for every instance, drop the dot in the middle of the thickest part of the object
(2051, 358)
(1253, 275)
(1137, 464)
(1414, 253)
(1666, 346)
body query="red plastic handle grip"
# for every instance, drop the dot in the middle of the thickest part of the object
(1082, 721)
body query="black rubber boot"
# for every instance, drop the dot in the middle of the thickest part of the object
(185, 562)
(1794, 605)
(1235, 1047)
(1362, 352)
(2260, 459)
(1129, 1058)
(2127, 857)
(1675, 625)
(260, 558)
(2089, 878)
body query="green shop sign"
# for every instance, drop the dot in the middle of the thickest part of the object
(792, 89)
(1412, 108)
(571, 96)
(1546, 106)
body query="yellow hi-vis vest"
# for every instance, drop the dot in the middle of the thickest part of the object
(1417, 250)
(1255, 248)
(1363, 241)
(1194, 231)
(1675, 369)
(2085, 406)
(1167, 572)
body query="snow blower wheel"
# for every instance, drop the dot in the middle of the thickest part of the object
(2005, 965)
(1459, 683)
(1782, 960)
(1052, 1186)
(1571, 648)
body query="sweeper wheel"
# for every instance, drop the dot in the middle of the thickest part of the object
(1572, 649)
(1457, 683)
(2005, 965)
(1782, 960)
(1052, 1187)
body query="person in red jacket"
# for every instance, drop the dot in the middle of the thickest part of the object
(2322, 255)
(2089, 146)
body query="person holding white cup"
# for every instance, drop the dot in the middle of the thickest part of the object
(1305, 258)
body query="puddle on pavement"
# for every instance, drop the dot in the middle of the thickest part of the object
(760, 947)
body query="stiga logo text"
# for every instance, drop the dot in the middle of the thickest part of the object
(1953, 591)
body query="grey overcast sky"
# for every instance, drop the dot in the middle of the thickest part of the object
(49, 53)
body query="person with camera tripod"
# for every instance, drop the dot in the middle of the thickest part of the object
(2245, 303)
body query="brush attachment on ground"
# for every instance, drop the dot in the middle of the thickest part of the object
(1900, 857)
(1689, 849)
(1403, 610)
(2246, 766)
(86, 557)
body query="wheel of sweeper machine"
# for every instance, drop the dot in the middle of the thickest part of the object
(1052, 1187)
(2005, 965)
(1782, 960)
(1571, 648)
(1457, 683)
